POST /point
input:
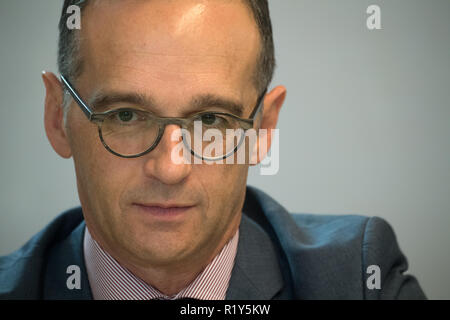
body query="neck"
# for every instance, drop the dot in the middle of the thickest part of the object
(170, 280)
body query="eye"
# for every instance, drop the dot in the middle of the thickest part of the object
(209, 119)
(126, 115)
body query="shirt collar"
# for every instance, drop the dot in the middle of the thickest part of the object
(111, 281)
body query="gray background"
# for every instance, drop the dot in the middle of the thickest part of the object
(365, 128)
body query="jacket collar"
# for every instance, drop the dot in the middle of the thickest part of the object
(256, 274)
(67, 253)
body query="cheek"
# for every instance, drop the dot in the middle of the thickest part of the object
(222, 186)
(106, 180)
(100, 175)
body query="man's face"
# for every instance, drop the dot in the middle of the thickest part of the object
(172, 52)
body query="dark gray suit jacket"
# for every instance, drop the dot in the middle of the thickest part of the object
(280, 256)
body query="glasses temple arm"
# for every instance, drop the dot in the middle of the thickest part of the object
(259, 104)
(87, 111)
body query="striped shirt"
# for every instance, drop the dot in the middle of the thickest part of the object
(111, 281)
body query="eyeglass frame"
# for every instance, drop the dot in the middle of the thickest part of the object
(98, 118)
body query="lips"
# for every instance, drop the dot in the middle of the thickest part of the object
(163, 210)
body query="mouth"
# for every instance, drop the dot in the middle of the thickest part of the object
(163, 210)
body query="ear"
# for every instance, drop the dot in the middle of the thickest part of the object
(273, 102)
(54, 115)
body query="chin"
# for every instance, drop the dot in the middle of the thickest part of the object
(159, 249)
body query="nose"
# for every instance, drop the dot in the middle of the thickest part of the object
(160, 164)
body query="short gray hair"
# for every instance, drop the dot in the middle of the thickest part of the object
(70, 62)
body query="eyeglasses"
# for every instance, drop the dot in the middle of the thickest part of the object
(131, 133)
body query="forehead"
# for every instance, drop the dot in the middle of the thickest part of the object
(170, 43)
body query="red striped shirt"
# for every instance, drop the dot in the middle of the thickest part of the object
(111, 281)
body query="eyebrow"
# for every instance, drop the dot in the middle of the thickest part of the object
(210, 100)
(101, 101)
(203, 102)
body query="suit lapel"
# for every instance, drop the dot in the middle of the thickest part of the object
(256, 274)
(67, 253)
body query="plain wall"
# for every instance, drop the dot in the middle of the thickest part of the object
(365, 128)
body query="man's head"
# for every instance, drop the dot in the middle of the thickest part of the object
(170, 53)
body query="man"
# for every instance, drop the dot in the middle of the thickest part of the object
(150, 227)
